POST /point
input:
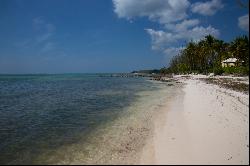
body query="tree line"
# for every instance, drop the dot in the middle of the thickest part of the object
(206, 56)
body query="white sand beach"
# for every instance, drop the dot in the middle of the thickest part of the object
(204, 124)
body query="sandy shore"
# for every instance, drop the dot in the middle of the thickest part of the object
(204, 124)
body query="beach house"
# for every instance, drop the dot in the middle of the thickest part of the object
(231, 62)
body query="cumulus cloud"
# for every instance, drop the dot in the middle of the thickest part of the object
(172, 14)
(199, 32)
(243, 22)
(208, 8)
(162, 40)
(183, 26)
(162, 11)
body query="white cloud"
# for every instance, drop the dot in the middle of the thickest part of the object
(208, 8)
(172, 14)
(199, 32)
(183, 26)
(172, 51)
(243, 22)
(162, 40)
(162, 11)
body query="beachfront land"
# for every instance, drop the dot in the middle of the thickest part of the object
(212, 55)
(124, 82)
(208, 122)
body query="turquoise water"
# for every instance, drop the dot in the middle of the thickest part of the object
(41, 114)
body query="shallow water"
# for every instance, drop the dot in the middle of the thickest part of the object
(74, 118)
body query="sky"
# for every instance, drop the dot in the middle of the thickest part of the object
(103, 36)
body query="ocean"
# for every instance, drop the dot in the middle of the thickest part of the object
(76, 118)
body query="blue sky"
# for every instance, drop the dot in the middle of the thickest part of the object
(89, 36)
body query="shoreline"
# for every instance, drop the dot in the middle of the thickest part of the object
(203, 124)
(121, 141)
(177, 120)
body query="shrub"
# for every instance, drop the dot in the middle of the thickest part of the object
(229, 70)
(241, 70)
(218, 70)
(183, 68)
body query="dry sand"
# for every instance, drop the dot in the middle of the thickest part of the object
(204, 124)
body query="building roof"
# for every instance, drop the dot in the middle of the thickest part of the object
(230, 60)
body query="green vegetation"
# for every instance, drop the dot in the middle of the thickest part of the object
(206, 56)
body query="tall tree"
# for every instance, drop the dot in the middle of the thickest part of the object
(239, 48)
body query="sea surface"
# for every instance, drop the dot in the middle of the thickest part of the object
(75, 118)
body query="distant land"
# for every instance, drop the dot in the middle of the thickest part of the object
(156, 71)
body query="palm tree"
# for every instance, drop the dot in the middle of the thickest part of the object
(240, 49)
